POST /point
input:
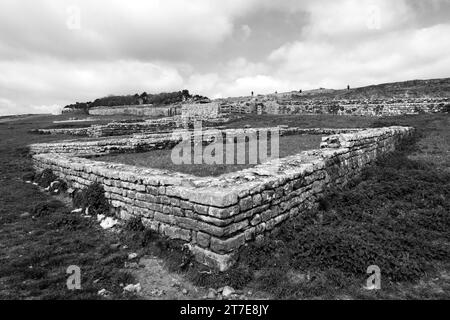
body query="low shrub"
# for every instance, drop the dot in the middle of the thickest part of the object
(45, 178)
(134, 224)
(70, 222)
(46, 208)
(93, 199)
(58, 186)
(28, 176)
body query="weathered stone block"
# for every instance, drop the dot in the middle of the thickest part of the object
(228, 245)
(175, 232)
(246, 203)
(203, 239)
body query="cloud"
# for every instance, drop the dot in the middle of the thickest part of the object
(395, 56)
(51, 56)
(246, 32)
(111, 29)
(349, 18)
(31, 84)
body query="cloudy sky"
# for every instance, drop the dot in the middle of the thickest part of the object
(55, 52)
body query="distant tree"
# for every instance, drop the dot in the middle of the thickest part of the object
(348, 87)
(163, 98)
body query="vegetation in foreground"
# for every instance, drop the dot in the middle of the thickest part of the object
(395, 216)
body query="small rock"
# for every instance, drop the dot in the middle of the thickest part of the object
(132, 256)
(131, 265)
(25, 214)
(104, 293)
(371, 287)
(54, 184)
(100, 217)
(227, 291)
(211, 294)
(133, 288)
(157, 292)
(115, 246)
(108, 223)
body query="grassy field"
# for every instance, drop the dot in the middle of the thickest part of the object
(162, 159)
(396, 216)
(302, 121)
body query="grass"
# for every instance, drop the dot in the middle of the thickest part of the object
(303, 121)
(395, 216)
(162, 159)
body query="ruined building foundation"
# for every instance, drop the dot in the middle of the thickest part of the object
(218, 215)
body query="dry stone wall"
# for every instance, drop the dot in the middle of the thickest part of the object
(218, 215)
(69, 131)
(165, 124)
(147, 142)
(271, 104)
(138, 110)
(200, 110)
(73, 111)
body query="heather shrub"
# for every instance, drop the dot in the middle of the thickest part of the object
(46, 208)
(45, 178)
(134, 224)
(93, 199)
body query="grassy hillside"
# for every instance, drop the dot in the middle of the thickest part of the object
(404, 89)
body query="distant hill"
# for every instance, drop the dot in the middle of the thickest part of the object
(405, 89)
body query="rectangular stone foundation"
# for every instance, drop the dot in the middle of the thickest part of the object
(218, 215)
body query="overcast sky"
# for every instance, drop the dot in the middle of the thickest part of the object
(56, 52)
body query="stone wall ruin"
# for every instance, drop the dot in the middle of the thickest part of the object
(218, 215)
